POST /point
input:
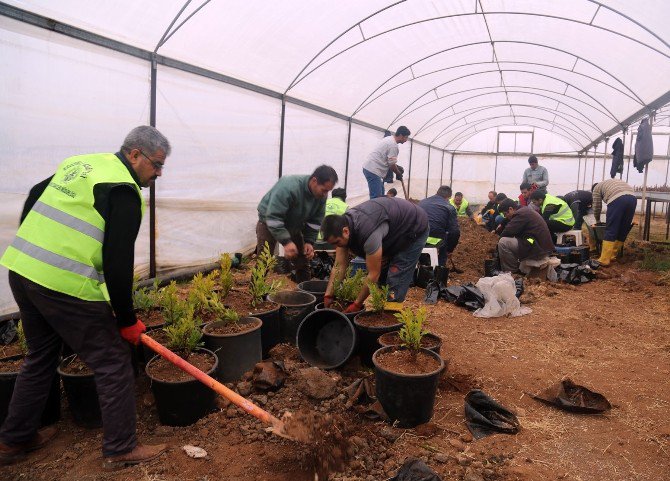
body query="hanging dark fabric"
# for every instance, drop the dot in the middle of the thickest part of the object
(617, 158)
(644, 146)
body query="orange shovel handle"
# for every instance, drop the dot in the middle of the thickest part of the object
(209, 381)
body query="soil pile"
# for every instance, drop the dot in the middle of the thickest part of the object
(475, 245)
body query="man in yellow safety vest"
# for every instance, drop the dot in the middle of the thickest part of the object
(556, 212)
(461, 205)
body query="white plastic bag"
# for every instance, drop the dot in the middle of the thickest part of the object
(499, 297)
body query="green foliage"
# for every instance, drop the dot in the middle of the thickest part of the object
(259, 287)
(349, 287)
(172, 306)
(22, 337)
(411, 331)
(656, 261)
(202, 295)
(229, 316)
(145, 298)
(184, 334)
(225, 275)
(378, 296)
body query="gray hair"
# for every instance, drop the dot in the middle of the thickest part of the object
(147, 139)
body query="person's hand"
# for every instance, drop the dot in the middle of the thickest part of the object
(398, 174)
(290, 251)
(309, 251)
(490, 211)
(132, 333)
(328, 300)
(534, 186)
(353, 307)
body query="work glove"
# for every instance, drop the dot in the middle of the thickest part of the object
(353, 307)
(132, 333)
(490, 211)
(398, 176)
(328, 301)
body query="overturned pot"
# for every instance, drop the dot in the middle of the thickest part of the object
(326, 339)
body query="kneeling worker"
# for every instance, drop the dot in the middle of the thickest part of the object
(442, 221)
(461, 204)
(391, 229)
(525, 237)
(556, 212)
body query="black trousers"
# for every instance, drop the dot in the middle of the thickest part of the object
(50, 318)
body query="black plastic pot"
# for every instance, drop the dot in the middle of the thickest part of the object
(350, 315)
(82, 396)
(238, 352)
(181, 403)
(270, 330)
(326, 339)
(489, 267)
(294, 306)
(51, 412)
(368, 339)
(407, 399)
(432, 337)
(316, 288)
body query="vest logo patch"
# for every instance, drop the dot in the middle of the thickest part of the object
(74, 170)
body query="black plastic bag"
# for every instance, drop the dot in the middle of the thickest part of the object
(484, 416)
(423, 275)
(415, 470)
(470, 298)
(519, 287)
(321, 265)
(436, 287)
(452, 293)
(572, 397)
(8, 332)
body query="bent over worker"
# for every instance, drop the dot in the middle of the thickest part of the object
(383, 229)
(71, 273)
(621, 203)
(556, 212)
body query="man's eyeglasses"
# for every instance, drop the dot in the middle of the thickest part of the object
(157, 165)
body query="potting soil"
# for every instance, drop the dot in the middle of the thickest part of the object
(9, 350)
(475, 245)
(377, 319)
(393, 339)
(164, 370)
(13, 365)
(404, 361)
(76, 366)
(231, 328)
(239, 300)
(151, 318)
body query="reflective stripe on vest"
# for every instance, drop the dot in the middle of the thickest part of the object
(59, 243)
(564, 213)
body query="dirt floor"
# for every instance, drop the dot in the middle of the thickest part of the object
(611, 335)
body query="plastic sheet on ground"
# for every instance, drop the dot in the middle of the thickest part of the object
(415, 470)
(500, 297)
(484, 416)
(569, 396)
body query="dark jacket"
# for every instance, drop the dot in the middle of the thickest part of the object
(406, 222)
(584, 197)
(531, 230)
(442, 217)
(644, 146)
(617, 158)
(489, 205)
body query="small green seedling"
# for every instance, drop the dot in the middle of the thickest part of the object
(259, 287)
(229, 316)
(22, 338)
(173, 308)
(347, 289)
(184, 334)
(145, 298)
(203, 296)
(225, 274)
(411, 331)
(378, 296)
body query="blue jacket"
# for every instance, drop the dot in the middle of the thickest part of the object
(442, 217)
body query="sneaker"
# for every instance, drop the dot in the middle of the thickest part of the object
(141, 453)
(10, 454)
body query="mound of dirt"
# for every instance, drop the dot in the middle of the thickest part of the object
(475, 245)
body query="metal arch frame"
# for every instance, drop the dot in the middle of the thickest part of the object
(455, 150)
(585, 119)
(299, 79)
(167, 36)
(479, 121)
(515, 91)
(475, 110)
(403, 111)
(365, 103)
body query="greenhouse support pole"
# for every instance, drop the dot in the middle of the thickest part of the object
(579, 169)
(451, 174)
(346, 162)
(409, 170)
(495, 172)
(428, 172)
(593, 170)
(442, 171)
(281, 136)
(630, 150)
(605, 156)
(152, 187)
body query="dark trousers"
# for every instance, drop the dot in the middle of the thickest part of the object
(556, 226)
(50, 318)
(302, 267)
(619, 218)
(450, 242)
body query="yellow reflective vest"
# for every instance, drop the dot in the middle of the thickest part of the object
(59, 243)
(564, 213)
(336, 206)
(461, 211)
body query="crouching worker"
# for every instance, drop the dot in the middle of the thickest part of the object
(621, 204)
(393, 231)
(525, 236)
(442, 221)
(556, 212)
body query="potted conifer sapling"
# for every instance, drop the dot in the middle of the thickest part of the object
(346, 290)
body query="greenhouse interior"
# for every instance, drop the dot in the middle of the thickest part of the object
(248, 93)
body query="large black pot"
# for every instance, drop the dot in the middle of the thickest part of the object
(350, 315)
(294, 306)
(181, 403)
(316, 287)
(82, 396)
(407, 399)
(51, 413)
(270, 330)
(368, 338)
(326, 339)
(238, 352)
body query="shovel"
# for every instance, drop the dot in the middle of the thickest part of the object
(276, 426)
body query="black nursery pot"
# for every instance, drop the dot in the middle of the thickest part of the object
(407, 399)
(368, 339)
(82, 396)
(181, 403)
(350, 315)
(270, 330)
(317, 288)
(294, 306)
(326, 339)
(51, 412)
(238, 352)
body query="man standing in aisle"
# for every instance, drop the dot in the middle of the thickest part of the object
(291, 214)
(535, 175)
(621, 204)
(393, 230)
(442, 221)
(71, 273)
(383, 158)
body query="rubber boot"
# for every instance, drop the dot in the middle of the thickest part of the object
(593, 245)
(618, 250)
(606, 253)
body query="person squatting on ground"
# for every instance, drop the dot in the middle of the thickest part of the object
(443, 222)
(525, 236)
(390, 232)
(71, 273)
(556, 212)
(291, 213)
(461, 205)
(621, 204)
(383, 158)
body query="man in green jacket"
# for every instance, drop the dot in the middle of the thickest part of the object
(291, 214)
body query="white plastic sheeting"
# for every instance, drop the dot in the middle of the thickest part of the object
(455, 72)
